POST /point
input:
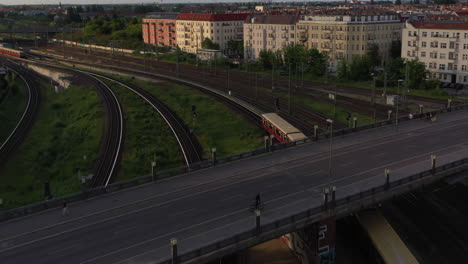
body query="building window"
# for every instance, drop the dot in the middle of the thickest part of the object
(463, 67)
(409, 43)
(442, 56)
(423, 54)
(423, 44)
(441, 66)
(424, 34)
(465, 56)
(443, 45)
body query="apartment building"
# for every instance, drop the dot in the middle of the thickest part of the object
(192, 29)
(160, 29)
(267, 33)
(349, 32)
(441, 45)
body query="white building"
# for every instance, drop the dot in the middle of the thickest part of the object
(268, 33)
(441, 46)
(192, 29)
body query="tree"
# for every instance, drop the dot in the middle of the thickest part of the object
(209, 44)
(266, 58)
(360, 68)
(236, 47)
(395, 69)
(395, 49)
(397, 2)
(317, 61)
(417, 74)
(342, 70)
(373, 54)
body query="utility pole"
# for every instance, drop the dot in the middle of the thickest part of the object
(289, 90)
(177, 61)
(63, 41)
(256, 85)
(385, 82)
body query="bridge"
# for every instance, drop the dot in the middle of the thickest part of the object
(207, 211)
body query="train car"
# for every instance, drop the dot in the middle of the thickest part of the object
(12, 52)
(280, 128)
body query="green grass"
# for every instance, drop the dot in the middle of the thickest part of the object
(69, 125)
(146, 137)
(12, 108)
(326, 109)
(216, 125)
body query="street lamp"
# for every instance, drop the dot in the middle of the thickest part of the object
(329, 121)
(397, 102)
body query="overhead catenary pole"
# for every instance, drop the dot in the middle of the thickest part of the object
(289, 90)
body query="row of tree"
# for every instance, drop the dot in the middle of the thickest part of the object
(296, 58)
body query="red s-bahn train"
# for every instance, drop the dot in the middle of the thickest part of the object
(280, 128)
(12, 52)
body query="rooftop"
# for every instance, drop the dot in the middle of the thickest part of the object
(291, 20)
(441, 25)
(211, 17)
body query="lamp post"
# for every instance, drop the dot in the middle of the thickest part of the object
(397, 103)
(331, 149)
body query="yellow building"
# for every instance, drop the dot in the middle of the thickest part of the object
(344, 33)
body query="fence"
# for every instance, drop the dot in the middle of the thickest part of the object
(309, 213)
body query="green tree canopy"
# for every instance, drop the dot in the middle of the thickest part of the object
(209, 44)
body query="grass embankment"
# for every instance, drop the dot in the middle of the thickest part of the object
(13, 101)
(216, 125)
(69, 125)
(326, 109)
(147, 137)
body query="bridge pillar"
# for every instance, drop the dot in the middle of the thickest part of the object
(315, 132)
(354, 122)
(389, 115)
(174, 251)
(314, 243)
(421, 107)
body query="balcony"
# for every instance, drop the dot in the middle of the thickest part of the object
(272, 36)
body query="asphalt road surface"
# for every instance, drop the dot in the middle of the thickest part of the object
(135, 225)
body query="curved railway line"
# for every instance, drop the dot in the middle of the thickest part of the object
(111, 145)
(190, 147)
(110, 149)
(18, 134)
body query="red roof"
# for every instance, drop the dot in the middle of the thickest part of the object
(211, 17)
(434, 25)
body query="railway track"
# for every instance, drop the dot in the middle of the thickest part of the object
(111, 144)
(216, 78)
(251, 114)
(189, 146)
(110, 148)
(278, 80)
(28, 117)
